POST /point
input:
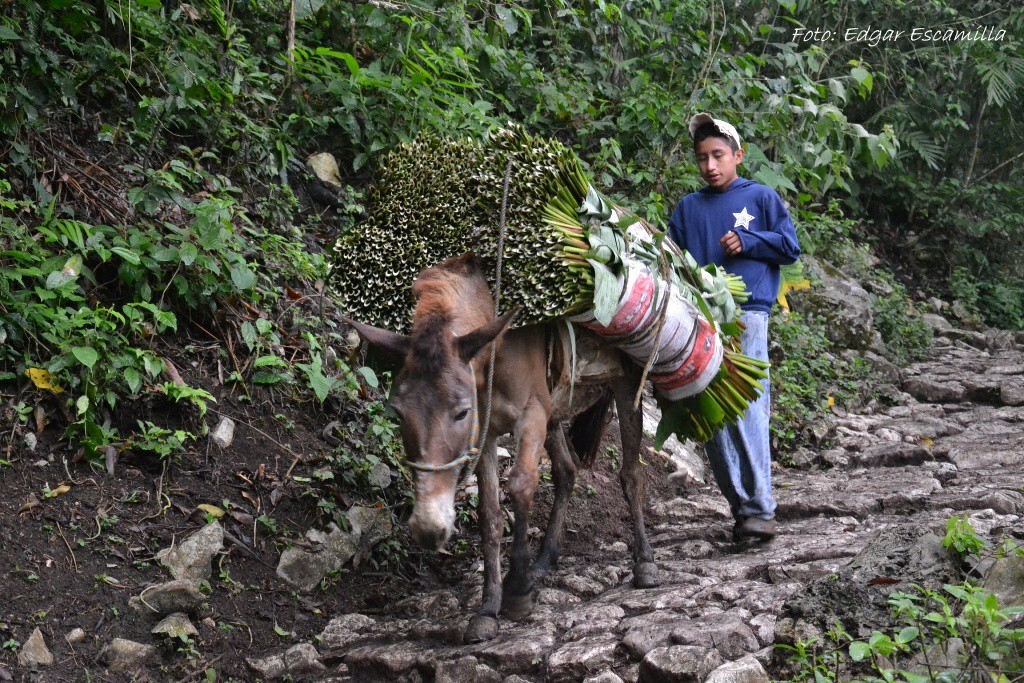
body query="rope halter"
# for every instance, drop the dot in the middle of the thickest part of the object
(470, 456)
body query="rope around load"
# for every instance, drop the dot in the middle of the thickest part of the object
(471, 456)
(662, 310)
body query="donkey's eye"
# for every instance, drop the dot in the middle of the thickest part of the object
(461, 416)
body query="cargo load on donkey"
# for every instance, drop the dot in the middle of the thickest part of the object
(566, 260)
(568, 252)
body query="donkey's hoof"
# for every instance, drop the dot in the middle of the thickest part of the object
(481, 627)
(646, 575)
(517, 607)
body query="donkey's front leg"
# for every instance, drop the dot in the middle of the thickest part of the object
(484, 624)
(517, 598)
(631, 424)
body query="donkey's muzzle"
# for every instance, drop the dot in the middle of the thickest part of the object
(432, 521)
(430, 537)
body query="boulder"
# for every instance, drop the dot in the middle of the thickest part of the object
(75, 636)
(324, 552)
(167, 598)
(937, 323)
(224, 433)
(575, 660)
(857, 595)
(744, 670)
(930, 391)
(299, 660)
(122, 656)
(34, 652)
(841, 301)
(465, 670)
(175, 626)
(604, 677)
(679, 664)
(731, 637)
(1005, 579)
(192, 559)
(1011, 392)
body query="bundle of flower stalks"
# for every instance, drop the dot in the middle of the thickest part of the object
(566, 251)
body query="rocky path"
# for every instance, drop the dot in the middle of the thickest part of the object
(955, 443)
(952, 444)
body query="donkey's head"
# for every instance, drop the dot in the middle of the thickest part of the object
(434, 394)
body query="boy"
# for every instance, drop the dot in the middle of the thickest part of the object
(744, 227)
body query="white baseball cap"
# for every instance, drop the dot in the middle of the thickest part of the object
(724, 127)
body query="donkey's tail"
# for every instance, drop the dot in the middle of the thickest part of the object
(586, 430)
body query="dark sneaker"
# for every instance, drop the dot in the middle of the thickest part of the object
(754, 528)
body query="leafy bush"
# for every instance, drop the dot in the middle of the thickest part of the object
(828, 234)
(958, 633)
(807, 378)
(907, 337)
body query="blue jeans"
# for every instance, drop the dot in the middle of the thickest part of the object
(740, 454)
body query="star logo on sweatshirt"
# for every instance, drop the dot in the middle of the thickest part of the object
(743, 219)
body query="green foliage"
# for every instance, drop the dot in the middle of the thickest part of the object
(829, 235)
(954, 634)
(907, 337)
(157, 440)
(806, 372)
(961, 537)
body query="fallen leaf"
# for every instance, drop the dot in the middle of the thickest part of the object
(242, 518)
(255, 503)
(32, 502)
(211, 510)
(59, 491)
(43, 379)
(882, 581)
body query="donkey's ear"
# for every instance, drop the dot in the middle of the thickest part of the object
(471, 344)
(392, 343)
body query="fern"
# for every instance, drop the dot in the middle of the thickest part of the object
(927, 148)
(1003, 76)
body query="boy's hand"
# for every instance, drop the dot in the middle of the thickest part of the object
(731, 243)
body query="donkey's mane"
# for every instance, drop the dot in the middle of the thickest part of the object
(451, 297)
(455, 290)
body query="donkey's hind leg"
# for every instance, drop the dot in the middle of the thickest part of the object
(645, 571)
(563, 472)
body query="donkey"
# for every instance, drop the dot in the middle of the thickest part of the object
(439, 391)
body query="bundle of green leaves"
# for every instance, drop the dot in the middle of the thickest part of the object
(564, 250)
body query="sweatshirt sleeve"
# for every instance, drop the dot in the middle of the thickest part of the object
(777, 243)
(677, 227)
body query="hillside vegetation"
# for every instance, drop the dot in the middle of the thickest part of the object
(155, 199)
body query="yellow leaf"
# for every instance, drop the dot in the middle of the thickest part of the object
(211, 510)
(791, 286)
(831, 401)
(43, 379)
(59, 491)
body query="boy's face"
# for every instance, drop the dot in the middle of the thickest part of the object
(717, 162)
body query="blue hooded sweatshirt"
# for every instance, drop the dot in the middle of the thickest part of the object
(758, 216)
